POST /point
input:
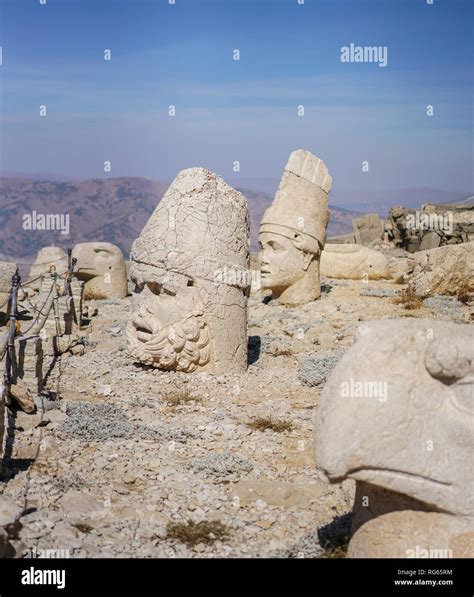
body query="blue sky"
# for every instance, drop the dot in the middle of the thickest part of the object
(243, 110)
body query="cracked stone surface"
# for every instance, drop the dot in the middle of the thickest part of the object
(192, 263)
(353, 262)
(444, 270)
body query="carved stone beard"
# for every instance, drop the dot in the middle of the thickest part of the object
(183, 346)
(160, 337)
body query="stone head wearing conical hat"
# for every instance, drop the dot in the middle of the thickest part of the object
(293, 231)
(192, 263)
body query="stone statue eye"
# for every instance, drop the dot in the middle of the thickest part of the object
(102, 252)
(274, 245)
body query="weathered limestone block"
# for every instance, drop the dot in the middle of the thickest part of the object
(367, 229)
(9, 526)
(29, 366)
(401, 267)
(7, 269)
(293, 231)
(102, 268)
(431, 225)
(4, 297)
(396, 415)
(430, 240)
(192, 263)
(47, 257)
(409, 534)
(10, 513)
(353, 262)
(444, 270)
(23, 397)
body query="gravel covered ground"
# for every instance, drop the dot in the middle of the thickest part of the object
(142, 463)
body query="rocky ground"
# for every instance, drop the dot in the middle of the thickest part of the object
(142, 463)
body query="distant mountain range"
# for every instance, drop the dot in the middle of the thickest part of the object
(116, 209)
(113, 210)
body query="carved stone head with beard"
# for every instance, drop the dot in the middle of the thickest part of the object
(188, 317)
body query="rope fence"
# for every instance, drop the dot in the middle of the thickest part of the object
(50, 304)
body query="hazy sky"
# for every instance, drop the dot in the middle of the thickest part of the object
(244, 110)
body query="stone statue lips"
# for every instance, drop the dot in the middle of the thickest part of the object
(150, 318)
(418, 441)
(144, 329)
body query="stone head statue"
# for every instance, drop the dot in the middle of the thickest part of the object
(47, 257)
(102, 268)
(398, 414)
(192, 263)
(293, 231)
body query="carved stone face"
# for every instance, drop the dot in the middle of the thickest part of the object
(398, 410)
(282, 264)
(168, 329)
(102, 267)
(189, 317)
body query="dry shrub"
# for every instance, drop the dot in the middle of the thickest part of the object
(465, 293)
(264, 423)
(192, 533)
(408, 299)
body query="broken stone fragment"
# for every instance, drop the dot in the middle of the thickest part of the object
(10, 512)
(23, 398)
(411, 534)
(445, 270)
(81, 507)
(7, 270)
(401, 267)
(353, 262)
(367, 229)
